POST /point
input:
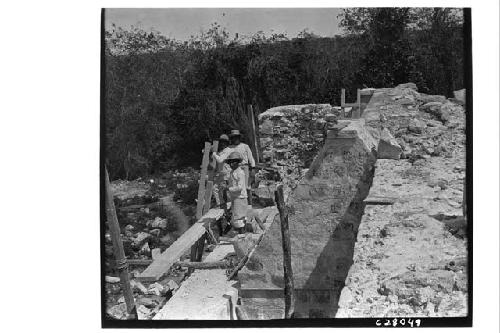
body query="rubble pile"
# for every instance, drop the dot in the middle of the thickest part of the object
(148, 299)
(423, 125)
(150, 221)
(410, 257)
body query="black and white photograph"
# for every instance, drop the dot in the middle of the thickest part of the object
(260, 167)
(268, 165)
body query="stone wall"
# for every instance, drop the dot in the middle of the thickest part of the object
(292, 135)
(325, 209)
(327, 168)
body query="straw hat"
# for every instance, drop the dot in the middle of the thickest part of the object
(235, 133)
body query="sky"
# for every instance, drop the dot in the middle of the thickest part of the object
(181, 23)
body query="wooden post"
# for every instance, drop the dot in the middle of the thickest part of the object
(254, 133)
(208, 196)
(213, 163)
(203, 176)
(121, 261)
(342, 97)
(287, 257)
(358, 96)
(201, 202)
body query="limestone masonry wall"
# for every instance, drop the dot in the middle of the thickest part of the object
(327, 167)
(325, 209)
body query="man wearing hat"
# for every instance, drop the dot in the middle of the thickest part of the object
(222, 169)
(237, 188)
(246, 153)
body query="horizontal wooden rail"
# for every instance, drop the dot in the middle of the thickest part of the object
(164, 262)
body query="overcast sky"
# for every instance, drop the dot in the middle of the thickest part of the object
(181, 23)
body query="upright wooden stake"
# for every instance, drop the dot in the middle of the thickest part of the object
(287, 257)
(203, 176)
(358, 96)
(121, 261)
(213, 163)
(254, 134)
(201, 202)
(208, 196)
(342, 97)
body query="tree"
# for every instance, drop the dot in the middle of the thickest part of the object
(409, 44)
(388, 60)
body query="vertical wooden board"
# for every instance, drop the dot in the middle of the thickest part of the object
(254, 133)
(203, 176)
(208, 196)
(342, 97)
(213, 163)
(359, 103)
(119, 253)
(287, 257)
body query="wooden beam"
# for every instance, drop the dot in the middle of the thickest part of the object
(358, 97)
(208, 196)
(203, 175)
(244, 260)
(135, 207)
(121, 261)
(139, 262)
(161, 266)
(287, 256)
(213, 163)
(342, 98)
(254, 133)
(221, 264)
(352, 105)
(241, 313)
(198, 247)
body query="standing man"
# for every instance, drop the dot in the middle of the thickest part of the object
(222, 170)
(247, 162)
(237, 192)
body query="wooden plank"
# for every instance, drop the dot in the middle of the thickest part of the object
(352, 105)
(203, 175)
(287, 256)
(358, 100)
(135, 207)
(342, 97)
(204, 301)
(213, 163)
(254, 133)
(241, 313)
(161, 266)
(139, 262)
(198, 247)
(208, 196)
(121, 261)
(221, 264)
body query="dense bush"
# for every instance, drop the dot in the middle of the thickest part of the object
(164, 97)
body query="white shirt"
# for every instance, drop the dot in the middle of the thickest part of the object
(237, 184)
(245, 152)
(222, 168)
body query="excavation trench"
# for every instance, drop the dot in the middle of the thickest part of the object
(326, 208)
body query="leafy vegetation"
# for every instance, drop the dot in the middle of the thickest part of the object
(165, 97)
